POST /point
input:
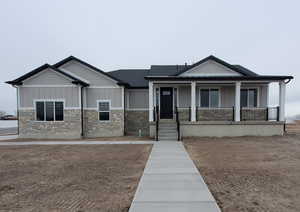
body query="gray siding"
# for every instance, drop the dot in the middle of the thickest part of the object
(47, 77)
(69, 94)
(86, 73)
(184, 96)
(113, 94)
(137, 99)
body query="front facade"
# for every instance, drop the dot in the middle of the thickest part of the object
(73, 99)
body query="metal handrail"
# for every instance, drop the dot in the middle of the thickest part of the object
(156, 109)
(177, 123)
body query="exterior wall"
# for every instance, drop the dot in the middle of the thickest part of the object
(84, 72)
(69, 94)
(135, 121)
(47, 77)
(95, 128)
(231, 129)
(137, 99)
(184, 96)
(112, 94)
(70, 128)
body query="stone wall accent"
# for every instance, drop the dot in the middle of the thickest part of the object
(253, 114)
(70, 128)
(95, 128)
(135, 121)
(183, 114)
(215, 114)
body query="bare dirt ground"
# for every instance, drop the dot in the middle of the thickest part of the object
(120, 138)
(70, 178)
(250, 173)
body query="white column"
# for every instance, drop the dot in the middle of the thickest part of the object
(282, 88)
(193, 101)
(150, 101)
(268, 95)
(237, 104)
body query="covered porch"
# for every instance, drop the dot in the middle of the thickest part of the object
(197, 101)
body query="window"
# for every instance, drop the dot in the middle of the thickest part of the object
(49, 110)
(209, 98)
(104, 110)
(249, 97)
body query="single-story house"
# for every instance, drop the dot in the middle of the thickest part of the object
(73, 99)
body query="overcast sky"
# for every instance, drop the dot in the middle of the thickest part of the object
(263, 36)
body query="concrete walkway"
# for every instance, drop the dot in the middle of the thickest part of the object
(171, 182)
(18, 143)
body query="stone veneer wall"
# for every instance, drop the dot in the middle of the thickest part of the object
(253, 114)
(215, 114)
(95, 128)
(183, 114)
(135, 121)
(70, 128)
(218, 114)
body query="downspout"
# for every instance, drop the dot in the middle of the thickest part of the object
(81, 108)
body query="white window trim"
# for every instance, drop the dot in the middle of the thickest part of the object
(209, 88)
(48, 100)
(109, 103)
(257, 98)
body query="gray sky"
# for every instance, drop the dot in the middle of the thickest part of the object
(264, 36)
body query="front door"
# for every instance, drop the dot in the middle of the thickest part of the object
(166, 103)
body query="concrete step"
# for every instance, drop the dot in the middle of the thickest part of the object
(167, 134)
(170, 138)
(167, 130)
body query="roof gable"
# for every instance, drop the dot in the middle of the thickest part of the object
(20, 80)
(47, 77)
(65, 63)
(210, 68)
(234, 68)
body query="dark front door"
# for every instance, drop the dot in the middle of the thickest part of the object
(166, 103)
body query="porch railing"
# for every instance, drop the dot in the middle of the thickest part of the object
(228, 114)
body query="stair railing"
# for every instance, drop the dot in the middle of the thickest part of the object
(177, 123)
(156, 122)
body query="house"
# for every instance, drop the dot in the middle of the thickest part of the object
(73, 99)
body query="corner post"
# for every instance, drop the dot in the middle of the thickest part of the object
(237, 102)
(282, 88)
(151, 101)
(193, 101)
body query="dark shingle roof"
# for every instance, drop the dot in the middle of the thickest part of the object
(165, 70)
(134, 77)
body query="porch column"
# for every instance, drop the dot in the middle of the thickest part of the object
(237, 108)
(282, 88)
(150, 101)
(193, 101)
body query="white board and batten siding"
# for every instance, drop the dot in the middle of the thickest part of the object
(93, 77)
(210, 68)
(49, 84)
(137, 99)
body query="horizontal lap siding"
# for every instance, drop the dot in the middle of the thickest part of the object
(29, 94)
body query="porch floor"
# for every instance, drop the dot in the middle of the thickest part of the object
(171, 182)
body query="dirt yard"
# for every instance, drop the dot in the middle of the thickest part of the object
(250, 173)
(70, 178)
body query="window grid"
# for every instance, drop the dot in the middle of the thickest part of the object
(255, 96)
(209, 97)
(44, 112)
(104, 110)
